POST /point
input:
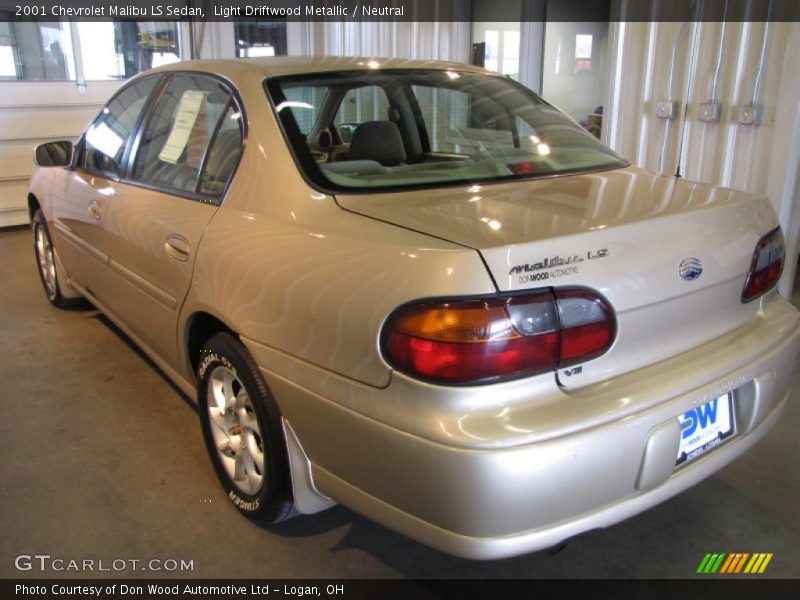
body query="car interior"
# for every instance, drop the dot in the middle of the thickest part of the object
(378, 132)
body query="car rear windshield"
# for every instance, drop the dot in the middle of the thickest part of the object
(387, 129)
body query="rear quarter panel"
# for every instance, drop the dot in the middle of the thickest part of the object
(284, 266)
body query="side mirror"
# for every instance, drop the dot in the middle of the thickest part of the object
(54, 154)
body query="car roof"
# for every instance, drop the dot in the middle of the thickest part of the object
(291, 65)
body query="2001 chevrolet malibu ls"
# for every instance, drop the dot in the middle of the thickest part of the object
(421, 291)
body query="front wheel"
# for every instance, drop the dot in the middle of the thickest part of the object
(46, 261)
(243, 432)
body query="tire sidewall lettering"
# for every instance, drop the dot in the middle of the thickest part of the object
(242, 504)
(209, 358)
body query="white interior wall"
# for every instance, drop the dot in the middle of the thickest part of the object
(759, 158)
(32, 113)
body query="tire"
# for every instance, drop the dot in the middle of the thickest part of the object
(46, 263)
(239, 417)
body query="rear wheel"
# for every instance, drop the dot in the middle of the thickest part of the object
(242, 430)
(46, 261)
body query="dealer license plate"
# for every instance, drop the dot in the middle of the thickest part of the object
(705, 427)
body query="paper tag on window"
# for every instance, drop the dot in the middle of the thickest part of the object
(189, 107)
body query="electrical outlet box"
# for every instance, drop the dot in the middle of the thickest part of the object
(667, 109)
(710, 112)
(750, 114)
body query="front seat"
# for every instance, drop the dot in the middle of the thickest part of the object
(379, 141)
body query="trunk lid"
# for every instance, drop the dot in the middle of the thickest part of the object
(625, 234)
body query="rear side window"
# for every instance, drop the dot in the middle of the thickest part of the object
(105, 140)
(193, 114)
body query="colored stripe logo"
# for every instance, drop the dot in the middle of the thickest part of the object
(734, 563)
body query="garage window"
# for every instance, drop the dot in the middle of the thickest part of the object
(35, 52)
(48, 51)
(260, 38)
(122, 49)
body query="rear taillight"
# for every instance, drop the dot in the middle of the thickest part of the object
(502, 337)
(766, 267)
(588, 326)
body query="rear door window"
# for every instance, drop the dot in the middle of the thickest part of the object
(223, 155)
(176, 145)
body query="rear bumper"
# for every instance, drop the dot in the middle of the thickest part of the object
(536, 473)
(502, 546)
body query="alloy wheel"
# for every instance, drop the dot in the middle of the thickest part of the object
(47, 265)
(235, 429)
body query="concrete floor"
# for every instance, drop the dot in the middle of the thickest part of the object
(103, 459)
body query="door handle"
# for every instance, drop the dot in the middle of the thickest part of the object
(177, 247)
(94, 209)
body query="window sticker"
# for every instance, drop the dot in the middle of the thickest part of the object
(188, 109)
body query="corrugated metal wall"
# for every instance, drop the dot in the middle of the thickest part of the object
(733, 64)
(31, 113)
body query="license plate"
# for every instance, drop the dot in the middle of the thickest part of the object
(705, 427)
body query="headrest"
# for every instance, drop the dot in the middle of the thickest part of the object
(379, 141)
